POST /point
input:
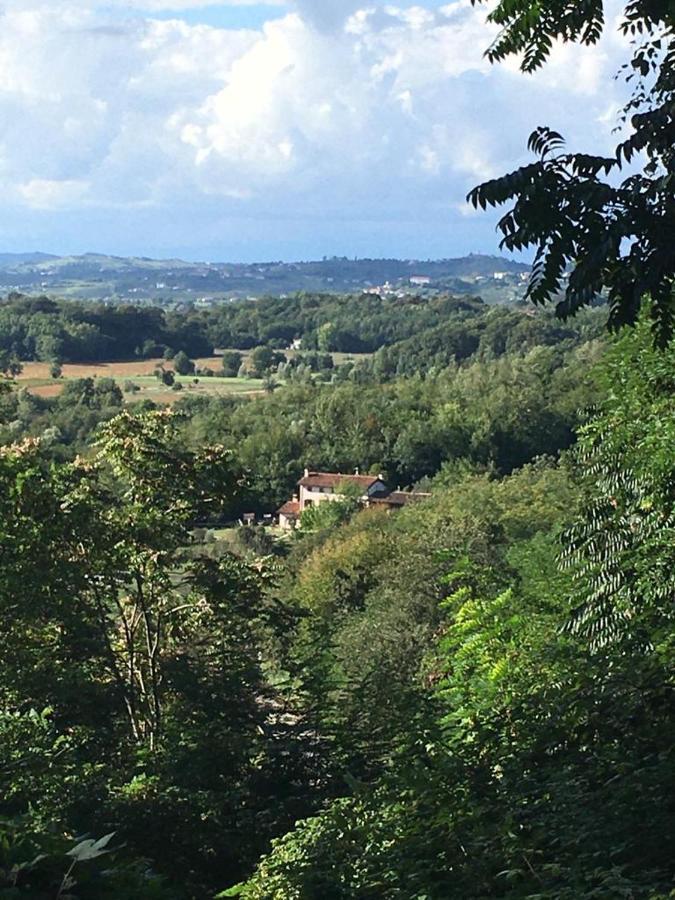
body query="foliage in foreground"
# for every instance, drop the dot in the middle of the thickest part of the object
(591, 231)
(145, 658)
(407, 705)
(533, 762)
(53, 866)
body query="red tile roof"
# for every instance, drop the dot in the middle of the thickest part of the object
(291, 509)
(335, 479)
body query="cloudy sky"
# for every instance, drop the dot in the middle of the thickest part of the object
(286, 130)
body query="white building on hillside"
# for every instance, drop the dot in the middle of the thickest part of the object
(322, 487)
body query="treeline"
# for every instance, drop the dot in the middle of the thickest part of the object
(496, 414)
(333, 322)
(497, 332)
(63, 331)
(496, 387)
(442, 329)
(65, 425)
(367, 322)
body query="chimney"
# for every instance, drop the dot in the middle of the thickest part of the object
(356, 471)
(380, 476)
(306, 473)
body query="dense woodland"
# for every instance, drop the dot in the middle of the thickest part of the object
(50, 330)
(470, 698)
(495, 388)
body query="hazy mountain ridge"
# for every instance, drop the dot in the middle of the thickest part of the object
(101, 276)
(9, 260)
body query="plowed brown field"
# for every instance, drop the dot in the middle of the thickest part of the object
(38, 370)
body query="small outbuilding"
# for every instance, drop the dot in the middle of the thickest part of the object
(289, 514)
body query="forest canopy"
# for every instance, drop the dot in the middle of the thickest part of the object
(471, 697)
(389, 704)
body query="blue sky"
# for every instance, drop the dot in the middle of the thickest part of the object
(287, 130)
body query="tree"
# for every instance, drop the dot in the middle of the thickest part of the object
(166, 376)
(108, 393)
(232, 361)
(265, 360)
(325, 337)
(78, 392)
(164, 490)
(55, 370)
(613, 237)
(150, 349)
(622, 549)
(10, 364)
(49, 346)
(327, 516)
(144, 656)
(182, 364)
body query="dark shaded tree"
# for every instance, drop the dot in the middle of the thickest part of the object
(592, 232)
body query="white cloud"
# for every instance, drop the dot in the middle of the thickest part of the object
(329, 110)
(41, 193)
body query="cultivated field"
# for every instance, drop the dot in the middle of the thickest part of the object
(36, 378)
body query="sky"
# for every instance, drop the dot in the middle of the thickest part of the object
(293, 129)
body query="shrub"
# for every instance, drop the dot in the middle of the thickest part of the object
(182, 364)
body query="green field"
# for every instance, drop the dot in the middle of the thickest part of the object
(36, 379)
(152, 389)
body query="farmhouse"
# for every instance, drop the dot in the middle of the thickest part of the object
(324, 487)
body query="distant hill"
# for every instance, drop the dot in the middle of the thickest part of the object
(18, 259)
(138, 279)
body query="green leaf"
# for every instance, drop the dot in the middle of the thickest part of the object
(90, 848)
